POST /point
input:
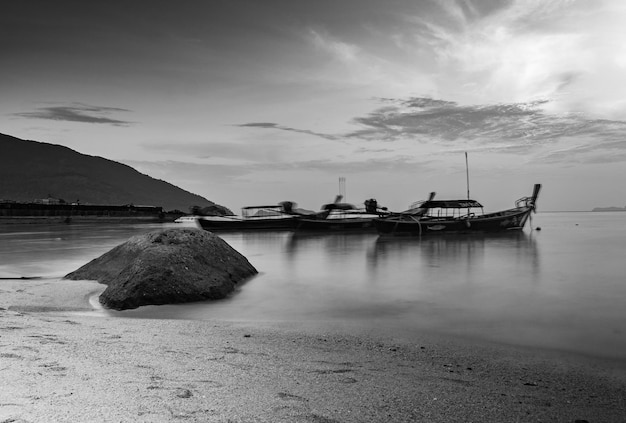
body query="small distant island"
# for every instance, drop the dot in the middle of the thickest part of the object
(609, 209)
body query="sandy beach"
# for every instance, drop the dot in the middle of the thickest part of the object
(63, 361)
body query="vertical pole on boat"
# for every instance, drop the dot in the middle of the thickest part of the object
(342, 187)
(467, 179)
(467, 175)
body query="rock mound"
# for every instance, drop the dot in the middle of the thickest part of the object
(166, 267)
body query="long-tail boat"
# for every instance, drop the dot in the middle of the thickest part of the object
(342, 217)
(268, 217)
(457, 216)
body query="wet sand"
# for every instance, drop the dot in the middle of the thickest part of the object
(61, 361)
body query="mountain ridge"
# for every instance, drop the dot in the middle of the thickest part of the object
(32, 170)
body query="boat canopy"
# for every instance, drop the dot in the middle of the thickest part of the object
(339, 206)
(450, 204)
(274, 206)
(261, 211)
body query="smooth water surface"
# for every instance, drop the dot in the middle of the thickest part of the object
(562, 287)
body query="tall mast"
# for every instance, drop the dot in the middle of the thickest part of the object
(467, 175)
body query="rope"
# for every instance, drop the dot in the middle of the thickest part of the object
(419, 225)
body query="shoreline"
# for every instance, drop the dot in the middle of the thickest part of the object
(62, 361)
(68, 220)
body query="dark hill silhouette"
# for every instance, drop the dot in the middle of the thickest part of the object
(32, 170)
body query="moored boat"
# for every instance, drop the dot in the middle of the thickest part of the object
(272, 217)
(342, 217)
(187, 219)
(457, 216)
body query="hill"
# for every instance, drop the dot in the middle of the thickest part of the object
(32, 170)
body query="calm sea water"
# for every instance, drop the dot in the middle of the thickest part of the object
(563, 287)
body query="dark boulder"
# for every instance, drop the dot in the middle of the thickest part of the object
(166, 267)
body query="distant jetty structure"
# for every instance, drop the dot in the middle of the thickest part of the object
(55, 211)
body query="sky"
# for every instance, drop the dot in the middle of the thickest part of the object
(250, 102)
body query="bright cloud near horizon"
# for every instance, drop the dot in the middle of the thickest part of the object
(250, 102)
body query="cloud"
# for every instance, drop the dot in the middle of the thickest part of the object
(188, 172)
(260, 125)
(192, 172)
(400, 163)
(339, 50)
(431, 120)
(516, 51)
(513, 128)
(267, 125)
(219, 153)
(347, 64)
(526, 124)
(77, 112)
(608, 151)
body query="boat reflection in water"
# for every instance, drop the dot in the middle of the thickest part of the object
(458, 251)
(402, 284)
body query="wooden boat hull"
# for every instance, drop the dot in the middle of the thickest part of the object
(336, 225)
(223, 225)
(506, 220)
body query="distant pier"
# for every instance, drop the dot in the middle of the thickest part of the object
(17, 212)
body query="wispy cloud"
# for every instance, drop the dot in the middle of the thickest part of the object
(399, 163)
(77, 112)
(526, 124)
(515, 128)
(433, 120)
(595, 153)
(219, 153)
(347, 63)
(342, 51)
(190, 171)
(268, 125)
(517, 51)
